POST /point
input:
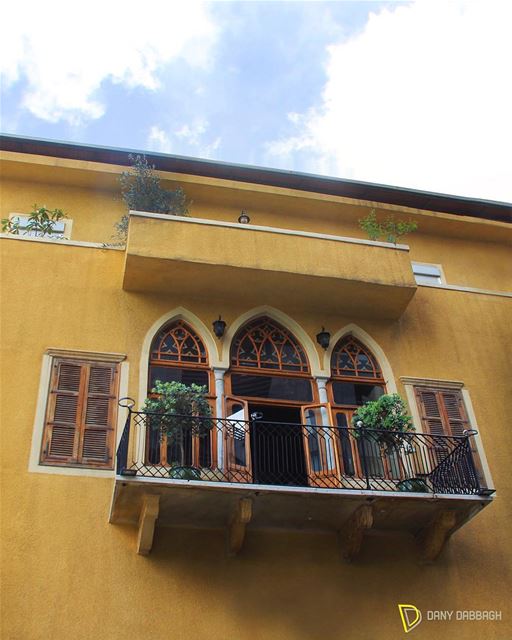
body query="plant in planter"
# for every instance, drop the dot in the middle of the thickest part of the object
(40, 222)
(416, 485)
(180, 412)
(387, 418)
(141, 190)
(389, 229)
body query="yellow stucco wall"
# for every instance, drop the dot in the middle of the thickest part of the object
(89, 194)
(68, 573)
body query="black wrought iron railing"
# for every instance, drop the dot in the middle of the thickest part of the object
(299, 455)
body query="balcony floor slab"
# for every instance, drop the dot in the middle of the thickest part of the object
(210, 505)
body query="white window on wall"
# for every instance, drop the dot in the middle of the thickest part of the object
(61, 228)
(425, 273)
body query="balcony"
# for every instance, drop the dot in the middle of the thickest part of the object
(190, 256)
(216, 473)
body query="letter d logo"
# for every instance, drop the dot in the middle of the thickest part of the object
(410, 615)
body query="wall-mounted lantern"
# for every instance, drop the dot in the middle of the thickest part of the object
(243, 218)
(323, 338)
(219, 326)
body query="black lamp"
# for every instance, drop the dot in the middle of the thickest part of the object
(243, 218)
(219, 326)
(323, 338)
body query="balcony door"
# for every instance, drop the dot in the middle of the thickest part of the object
(237, 440)
(270, 380)
(320, 446)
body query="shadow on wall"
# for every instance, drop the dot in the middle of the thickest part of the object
(287, 586)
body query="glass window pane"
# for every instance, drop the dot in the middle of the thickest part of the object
(426, 269)
(427, 279)
(355, 394)
(239, 445)
(176, 374)
(275, 387)
(313, 418)
(369, 452)
(346, 448)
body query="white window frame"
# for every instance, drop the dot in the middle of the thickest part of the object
(34, 464)
(65, 233)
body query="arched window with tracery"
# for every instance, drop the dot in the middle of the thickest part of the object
(356, 378)
(268, 362)
(264, 344)
(178, 354)
(351, 359)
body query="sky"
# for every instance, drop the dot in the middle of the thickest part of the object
(411, 94)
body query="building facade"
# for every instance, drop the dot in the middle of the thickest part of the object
(292, 524)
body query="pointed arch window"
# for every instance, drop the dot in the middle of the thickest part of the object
(179, 343)
(351, 359)
(178, 354)
(356, 378)
(264, 344)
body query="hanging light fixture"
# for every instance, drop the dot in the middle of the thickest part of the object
(219, 326)
(243, 218)
(323, 338)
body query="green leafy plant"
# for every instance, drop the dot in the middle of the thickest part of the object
(387, 417)
(389, 229)
(41, 222)
(121, 233)
(179, 411)
(141, 190)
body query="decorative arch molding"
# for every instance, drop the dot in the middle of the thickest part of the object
(284, 320)
(179, 313)
(367, 340)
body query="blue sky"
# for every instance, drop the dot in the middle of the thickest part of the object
(413, 94)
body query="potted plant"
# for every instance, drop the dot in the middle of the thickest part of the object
(416, 485)
(386, 419)
(41, 222)
(386, 422)
(141, 190)
(389, 229)
(179, 412)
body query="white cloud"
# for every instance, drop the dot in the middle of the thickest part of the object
(65, 50)
(158, 140)
(192, 133)
(422, 97)
(187, 139)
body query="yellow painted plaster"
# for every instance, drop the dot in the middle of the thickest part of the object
(68, 573)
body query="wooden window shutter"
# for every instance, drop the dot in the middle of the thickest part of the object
(455, 411)
(81, 414)
(442, 411)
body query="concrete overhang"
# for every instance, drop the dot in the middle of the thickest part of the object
(197, 257)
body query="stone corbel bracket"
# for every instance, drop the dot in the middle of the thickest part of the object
(148, 516)
(432, 539)
(241, 517)
(351, 535)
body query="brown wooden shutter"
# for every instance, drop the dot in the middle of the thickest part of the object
(98, 418)
(60, 441)
(81, 414)
(455, 412)
(430, 411)
(442, 411)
